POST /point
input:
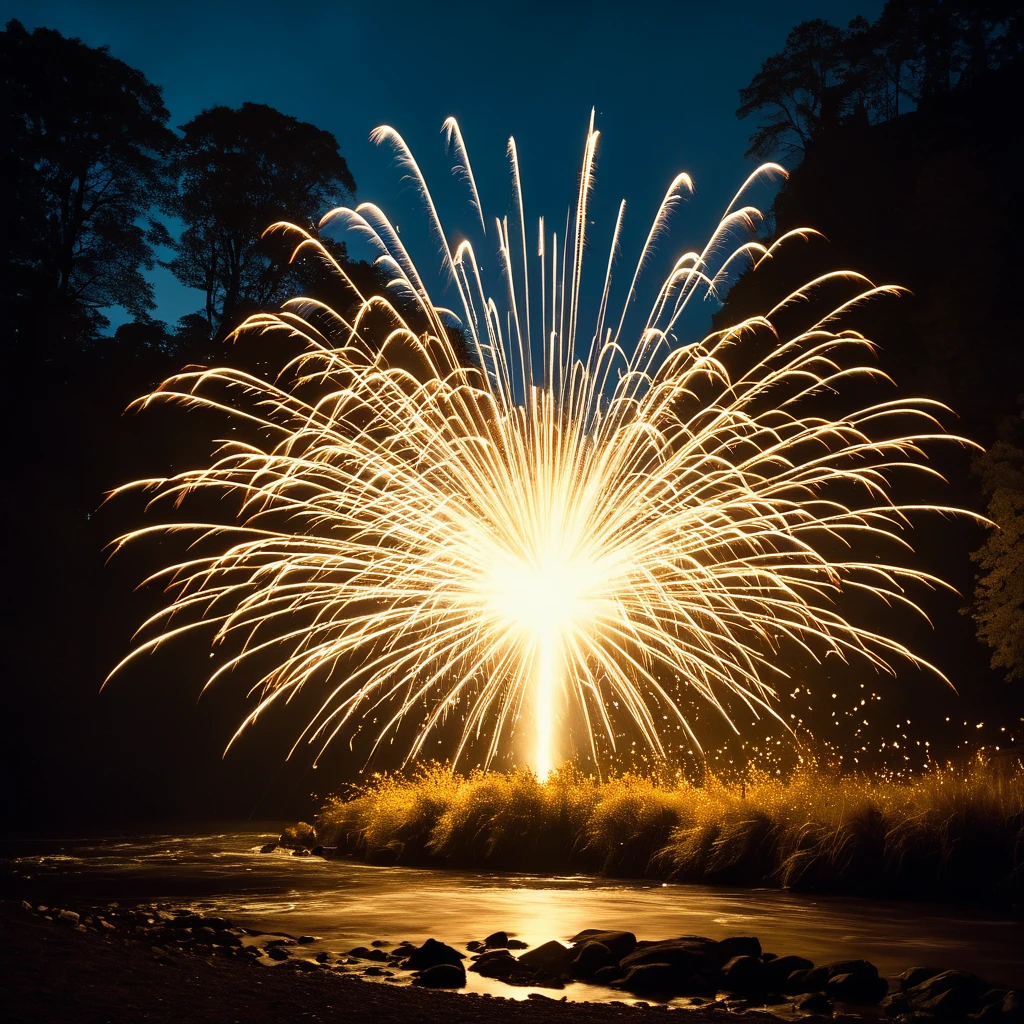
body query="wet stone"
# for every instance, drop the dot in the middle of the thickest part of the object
(443, 975)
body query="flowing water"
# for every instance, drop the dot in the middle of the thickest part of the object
(345, 903)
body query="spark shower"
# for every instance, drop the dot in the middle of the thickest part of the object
(513, 513)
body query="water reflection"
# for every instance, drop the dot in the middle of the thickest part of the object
(346, 904)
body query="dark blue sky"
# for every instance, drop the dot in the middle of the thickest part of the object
(663, 78)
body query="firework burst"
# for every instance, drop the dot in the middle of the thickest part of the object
(540, 527)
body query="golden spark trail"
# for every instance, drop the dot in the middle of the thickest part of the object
(437, 513)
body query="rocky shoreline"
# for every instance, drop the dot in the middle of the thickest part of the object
(709, 979)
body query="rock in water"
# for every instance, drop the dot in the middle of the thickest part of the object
(744, 974)
(740, 945)
(433, 954)
(443, 975)
(689, 955)
(1012, 1007)
(619, 944)
(650, 979)
(948, 994)
(497, 940)
(552, 957)
(915, 975)
(778, 971)
(816, 1002)
(497, 964)
(592, 956)
(861, 989)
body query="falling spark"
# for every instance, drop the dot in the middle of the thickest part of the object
(542, 531)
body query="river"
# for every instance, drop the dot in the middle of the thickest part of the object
(346, 903)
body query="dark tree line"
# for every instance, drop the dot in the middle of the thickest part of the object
(99, 187)
(905, 133)
(916, 51)
(89, 167)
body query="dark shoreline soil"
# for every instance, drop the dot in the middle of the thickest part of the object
(146, 962)
(52, 973)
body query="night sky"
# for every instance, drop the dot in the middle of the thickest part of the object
(664, 81)
(662, 77)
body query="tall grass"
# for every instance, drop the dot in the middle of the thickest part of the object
(953, 832)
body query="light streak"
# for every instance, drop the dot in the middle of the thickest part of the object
(585, 536)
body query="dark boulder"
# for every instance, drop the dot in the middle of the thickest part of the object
(277, 953)
(365, 953)
(816, 979)
(689, 955)
(442, 975)
(552, 957)
(744, 974)
(739, 945)
(796, 983)
(431, 954)
(777, 971)
(497, 965)
(860, 988)
(474, 945)
(814, 1002)
(895, 1004)
(619, 944)
(915, 975)
(851, 967)
(323, 958)
(304, 940)
(947, 994)
(268, 847)
(518, 944)
(696, 985)
(592, 956)
(650, 979)
(497, 940)
(608, 975)
(1012, 1007)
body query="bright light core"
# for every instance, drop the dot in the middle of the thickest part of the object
(541, 601)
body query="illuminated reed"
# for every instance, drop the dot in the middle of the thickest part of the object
(955, 831)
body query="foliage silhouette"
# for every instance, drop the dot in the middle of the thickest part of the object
(999, 595)
(238, 171)
(917, 50)
(86, 137)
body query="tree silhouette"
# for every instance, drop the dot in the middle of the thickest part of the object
(85, 141)
(917, 51)
(998, 607)
(239, 171)
(797, 90)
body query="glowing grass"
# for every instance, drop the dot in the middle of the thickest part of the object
(956, 831)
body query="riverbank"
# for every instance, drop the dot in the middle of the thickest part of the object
(954, 833)
(55, 973)
(156, 963)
